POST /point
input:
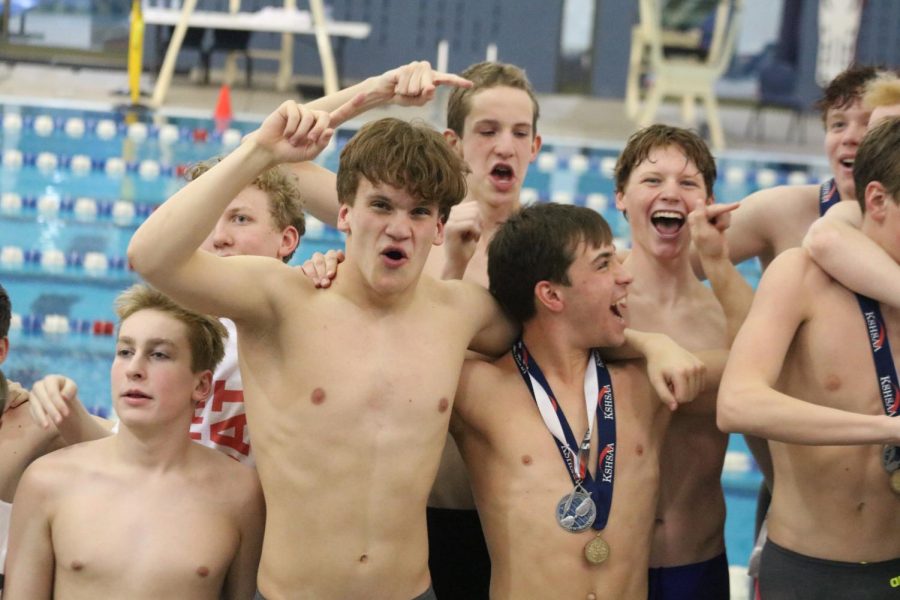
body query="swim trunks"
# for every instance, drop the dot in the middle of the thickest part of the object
(427, 595)
(457, 555)
(707, 580)
(784, 574)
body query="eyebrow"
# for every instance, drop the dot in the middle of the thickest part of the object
(604, 254)
(496, 122)
(150, 342)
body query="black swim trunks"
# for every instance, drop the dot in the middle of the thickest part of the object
(786, 575)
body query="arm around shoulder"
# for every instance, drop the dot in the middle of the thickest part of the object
(838, 246)
(748, 401)
(495, 331)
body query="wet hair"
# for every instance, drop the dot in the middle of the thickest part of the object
(408, 156)
(285, 203)
(206, 335)
(643, 142)
(878, 159)
(486, 75)
(5, 312)
(884, 90)
(846, 88)
(538, 244)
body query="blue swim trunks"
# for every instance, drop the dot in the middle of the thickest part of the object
(707, 580)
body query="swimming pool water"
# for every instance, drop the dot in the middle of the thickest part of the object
(59, 235)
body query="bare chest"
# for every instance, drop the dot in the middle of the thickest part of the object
(113, 533)
(831, 361)
(696, 324)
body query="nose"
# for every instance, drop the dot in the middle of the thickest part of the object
(398, 226)
(670, 190)
(220, 237)
(503, 144)
(623, 275)
(854, 133)
(134, 370)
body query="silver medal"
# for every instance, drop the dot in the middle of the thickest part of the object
(890, 458)
(576, 511)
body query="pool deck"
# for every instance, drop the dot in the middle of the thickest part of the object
(593, 120)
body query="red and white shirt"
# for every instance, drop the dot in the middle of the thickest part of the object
(219, 421)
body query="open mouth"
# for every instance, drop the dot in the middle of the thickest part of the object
(847, 163)
(502, 172)
(394, 256)
(618, 309)
(667, 222)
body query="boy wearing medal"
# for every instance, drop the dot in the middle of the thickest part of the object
(812, 371)
(664, 185)
(563, 451)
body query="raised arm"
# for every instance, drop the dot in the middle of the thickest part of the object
(30, 563)
(748, 402)
(708, 225)
(413, 84)
(844, 252)
(165, 249)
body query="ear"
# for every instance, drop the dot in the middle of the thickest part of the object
(620, 202)
(711, 199)
(439, 238)
(202, 387)
(4, 349)
(454, 141)
(876, 200)
(290, 238)
(535, 147)
(549, 295)
(343, 222)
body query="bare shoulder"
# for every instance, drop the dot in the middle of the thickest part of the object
(285, 286)
(459, 295)
(795, 269)
(18, 424)
(782, 198)
(482, 386)
(61, 469)
(224, 476)
(632, 385)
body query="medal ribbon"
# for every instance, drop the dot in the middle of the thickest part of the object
(598, 399)
(881, 351)
(828, 196)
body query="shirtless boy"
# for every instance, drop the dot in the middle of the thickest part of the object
(771, 221)
(835, 242)
(348, 390)
(664, 175)
(264, 219)
(493, 127)
(116, 517)
(554, 269)
(802, 374)
(21, 440)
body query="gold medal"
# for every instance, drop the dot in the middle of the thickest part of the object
(596, 551)
(895, 482)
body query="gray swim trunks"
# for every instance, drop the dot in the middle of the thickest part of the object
(428, 595)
